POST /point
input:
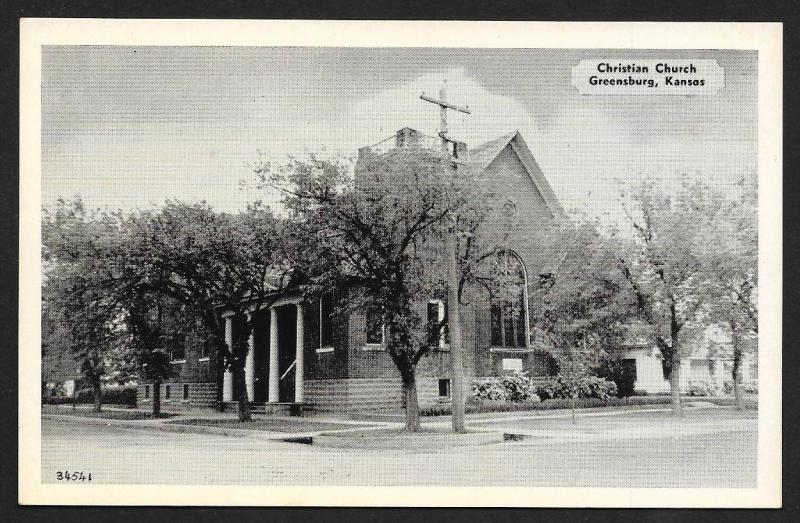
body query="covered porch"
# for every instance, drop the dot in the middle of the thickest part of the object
(274, 369)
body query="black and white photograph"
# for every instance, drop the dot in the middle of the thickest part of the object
(358, 264)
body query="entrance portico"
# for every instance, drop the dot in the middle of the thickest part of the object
(274, 368)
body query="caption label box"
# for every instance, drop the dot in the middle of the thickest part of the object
(616, 76)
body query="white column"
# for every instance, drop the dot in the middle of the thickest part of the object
(249, 364)
(273, 355)
(298, 366)
(227, 380)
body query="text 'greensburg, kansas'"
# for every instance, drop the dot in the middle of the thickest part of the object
(599, 76)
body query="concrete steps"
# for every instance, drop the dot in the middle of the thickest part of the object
(274, 409)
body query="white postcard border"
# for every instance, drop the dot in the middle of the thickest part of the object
(766, 38)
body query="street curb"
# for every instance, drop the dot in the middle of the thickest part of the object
(423, 441)
(89, 420)
(170, 427)
(165, 426)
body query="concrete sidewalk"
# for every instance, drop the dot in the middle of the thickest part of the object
(183, 421)
(524, 423)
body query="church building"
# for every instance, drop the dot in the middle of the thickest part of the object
(301, 353)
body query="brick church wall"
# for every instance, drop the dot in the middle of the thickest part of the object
(320, 362)
(368, 394)
(199, 395)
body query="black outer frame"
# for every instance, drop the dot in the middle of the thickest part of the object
(566, 10)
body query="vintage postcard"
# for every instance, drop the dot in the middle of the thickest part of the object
(400, 263)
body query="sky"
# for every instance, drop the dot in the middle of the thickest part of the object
(128, 127)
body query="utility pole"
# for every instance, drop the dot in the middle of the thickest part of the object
(453, 305)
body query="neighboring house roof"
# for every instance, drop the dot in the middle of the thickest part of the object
(704, 341)
(483, 155)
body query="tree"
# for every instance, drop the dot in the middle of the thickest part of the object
(732, 254)
(215, 263)
(156, 326)
(378, 234)
(579, 309)
(78, 249)
(665, 266)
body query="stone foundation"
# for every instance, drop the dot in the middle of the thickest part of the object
(368, 394)
(199, 395)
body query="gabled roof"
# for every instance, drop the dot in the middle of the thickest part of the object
(483, 155)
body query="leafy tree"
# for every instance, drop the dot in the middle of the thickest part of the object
(78, 248)
(156, 326)
(215, 262)
(732, 254)
(579, 309)
(379, 234)
(57, 356)
(666, 267)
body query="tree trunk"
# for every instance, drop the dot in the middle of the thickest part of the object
(412, 403)
(157, 398)
(675, 386)
(737, 378)
(98, 398)
(572, 406)
(240, 390)
(675, 360)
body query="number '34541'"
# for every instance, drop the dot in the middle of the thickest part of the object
(73, 476)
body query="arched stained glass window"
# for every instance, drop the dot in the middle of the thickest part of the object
(509, 307)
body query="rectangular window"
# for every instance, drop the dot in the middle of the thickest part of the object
(177, 352)
(205, 348)
(186, 392)
(509, 328)
(433, 324)
(497, 322)
(374, 327)
(521, 331)
(438, 334)
(444, 388)
(201, 340)
(166, 392)
(326, 321)
(146, 391)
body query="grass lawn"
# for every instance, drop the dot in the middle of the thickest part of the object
(636, 424)
(85, 412)
(267, 424)
(632, 403)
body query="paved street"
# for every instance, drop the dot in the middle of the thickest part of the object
(708, 448)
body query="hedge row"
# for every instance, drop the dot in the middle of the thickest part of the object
(115, 396)
(551, 404)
